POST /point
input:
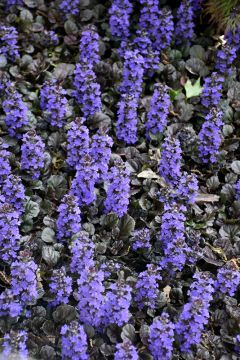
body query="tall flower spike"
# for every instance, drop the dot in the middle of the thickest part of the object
(5, 168)
(170, 163)
(119, 20)
(24, 279)
(146, 287)
(90, 296)
(9, 233)
(184, 29)
(187, 188)
(212, 90)
(161, 337)
(118, 301)
(133, 70)
(144, 46)
(237, 189)
(159, 110)
(15, 343)
(54, 102)
(87, 91)
(74, 342)
(77, 142)
(127, 119)
(126, 351)
(172, 237)
(101, 151)
(228, 278)
(164, 31)
(82, 252)
(32, 158)
(83, 185)
(60, 286)
(70, 7)
(15, 110)
(118, 191)
(8, 42)
(195, 313)
(210, 136)
(224, 59)
(89, 47)
(149, 18)
(14, 192)
(69, 219)
(141, 239)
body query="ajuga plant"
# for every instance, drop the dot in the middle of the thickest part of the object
(15, 344)
(184, 29)
(126, 351)
(60, 286)
(77, 142)
(127, 119)
(14, 192)
(119, 20)
(89, 46)
(74, 341)
(228, 278)
(5, 168)
(8, 42)
(82, 251)
(141, 239)
(69, 7)
(101, 151)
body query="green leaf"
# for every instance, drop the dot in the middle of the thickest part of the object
(48, 235)
(31, 210)
(174, 93)
(193, 90)
(126, 225)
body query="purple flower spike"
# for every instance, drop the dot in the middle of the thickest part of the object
(118, 191)
(126, 351)
(74, 342)
(32, 158)
(161, 337)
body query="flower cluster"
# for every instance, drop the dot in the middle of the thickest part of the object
(14, 192)
(60, 286)
(84, 181)
(101, 152)
(118, 301)
(70, 7)
(170, 163)
(14, 2)
(82, 251)
(24, 280)
(195, 313)
(228, 278)
(74, 342)
(49, 38)
(210, 136)
(89, 47)
(158, 111)
(185, 25)
(87, 91)
(15, 110)
(187, 188)
(8, 42)
(149, 18)
(161, 337)
(127, 119)
(5, 168)
(118, 191)
(141, 239)
(144, 46)
(77, 142)
(119, 21)
(69, 219)
(126, 351)
(9, 232)
(237, 189)
(32, 159)
(147, 289)
(9, 304)
(90, 296)
(133, 70)
(164, 30)
(15, 343)
(54, 102)
(224, 58)
(212, 90)
(172, 237)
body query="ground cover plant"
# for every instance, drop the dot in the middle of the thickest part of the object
(119, 179)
